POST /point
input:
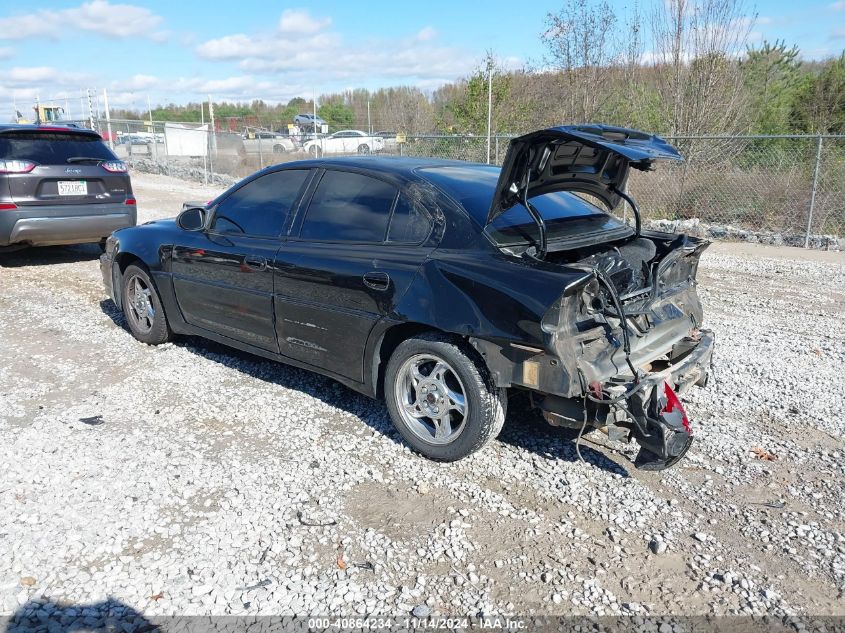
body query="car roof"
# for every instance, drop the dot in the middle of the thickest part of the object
(19, 127)
(395, 165)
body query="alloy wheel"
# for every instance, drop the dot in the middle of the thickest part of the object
(431, 398)
(141, 310)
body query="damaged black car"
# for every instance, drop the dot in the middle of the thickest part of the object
(441, 286)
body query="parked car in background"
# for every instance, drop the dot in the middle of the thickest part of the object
(440, 285)
(136, 138)
(344, 142)
(309, 122)
(389, 140)
(60, 185)
(268, 142)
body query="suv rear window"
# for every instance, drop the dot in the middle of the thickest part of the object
(52, 148)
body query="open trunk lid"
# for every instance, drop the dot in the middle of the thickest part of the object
(590, 159)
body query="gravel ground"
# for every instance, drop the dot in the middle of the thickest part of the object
(192, 479)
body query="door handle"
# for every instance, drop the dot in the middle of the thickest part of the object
(256, 263)
(377, 280)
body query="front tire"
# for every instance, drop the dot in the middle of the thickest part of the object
(142, 307)
(441, 397)
(315, 151)
(364, 149)
(279, 149)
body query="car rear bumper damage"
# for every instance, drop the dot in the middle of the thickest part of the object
(644, 408)
(63, 224)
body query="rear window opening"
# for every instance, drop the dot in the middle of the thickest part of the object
(568, 216)
(52, 148)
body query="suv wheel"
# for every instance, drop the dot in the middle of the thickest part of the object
(142, 307)
(279, 149)
(314, 150)
(364, 149)
(441, 399)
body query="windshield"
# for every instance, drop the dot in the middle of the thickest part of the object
(567, 216)
(52, 148)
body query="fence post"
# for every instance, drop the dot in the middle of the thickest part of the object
(166, 150)
(497, 149)
(813, 192)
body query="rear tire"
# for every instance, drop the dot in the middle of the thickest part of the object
(279, 149)
(441, 397)
(364, 149)
(142, 307)
(315, 151)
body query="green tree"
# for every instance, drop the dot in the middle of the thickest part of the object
(338, 115)
(819, 105)
(772, 76)
(469, 110)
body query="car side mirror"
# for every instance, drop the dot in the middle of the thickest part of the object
(191, 219)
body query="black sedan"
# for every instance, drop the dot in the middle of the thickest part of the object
(441, 285)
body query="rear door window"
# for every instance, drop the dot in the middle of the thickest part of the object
(349, 207)
(52, 148)
(409, 224)
(261, 207)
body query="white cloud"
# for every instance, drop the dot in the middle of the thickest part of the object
(238, 83)
(837, 34)
(6, 52)
(96, 16)
(31, 74)
(301, 23)
(426, 34)
(26, 83)
(305, 49)
(137, 82)
(838, 6)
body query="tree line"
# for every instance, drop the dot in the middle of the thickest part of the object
(677, 67)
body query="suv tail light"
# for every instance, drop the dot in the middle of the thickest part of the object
(130, 201)
(115, 166)
(16, 166)
(7, 206)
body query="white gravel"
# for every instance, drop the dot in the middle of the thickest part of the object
(191, 479)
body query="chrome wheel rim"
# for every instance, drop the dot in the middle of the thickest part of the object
(139, 300)
(431, 399)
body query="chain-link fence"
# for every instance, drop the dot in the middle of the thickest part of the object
(789, 185)
(779, 189)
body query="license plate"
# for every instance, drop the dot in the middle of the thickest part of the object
(73, 188)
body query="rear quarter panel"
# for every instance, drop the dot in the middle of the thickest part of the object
(484, 295)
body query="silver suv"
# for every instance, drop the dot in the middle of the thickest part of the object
(308, 121)
(60, 185)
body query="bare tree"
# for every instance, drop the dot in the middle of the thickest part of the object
(402, 109)
(584, 45)
(697, 46)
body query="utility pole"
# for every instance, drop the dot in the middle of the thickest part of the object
(314, 127)
(152, 129)
(90, 109)
(108, 117)
(205, 137)
(489, 101)
(369, 125)
(213, 138)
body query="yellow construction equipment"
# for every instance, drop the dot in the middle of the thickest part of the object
(44, 113)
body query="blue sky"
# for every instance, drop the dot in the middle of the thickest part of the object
(180, 50)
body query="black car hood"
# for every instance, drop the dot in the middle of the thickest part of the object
(592, 159)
